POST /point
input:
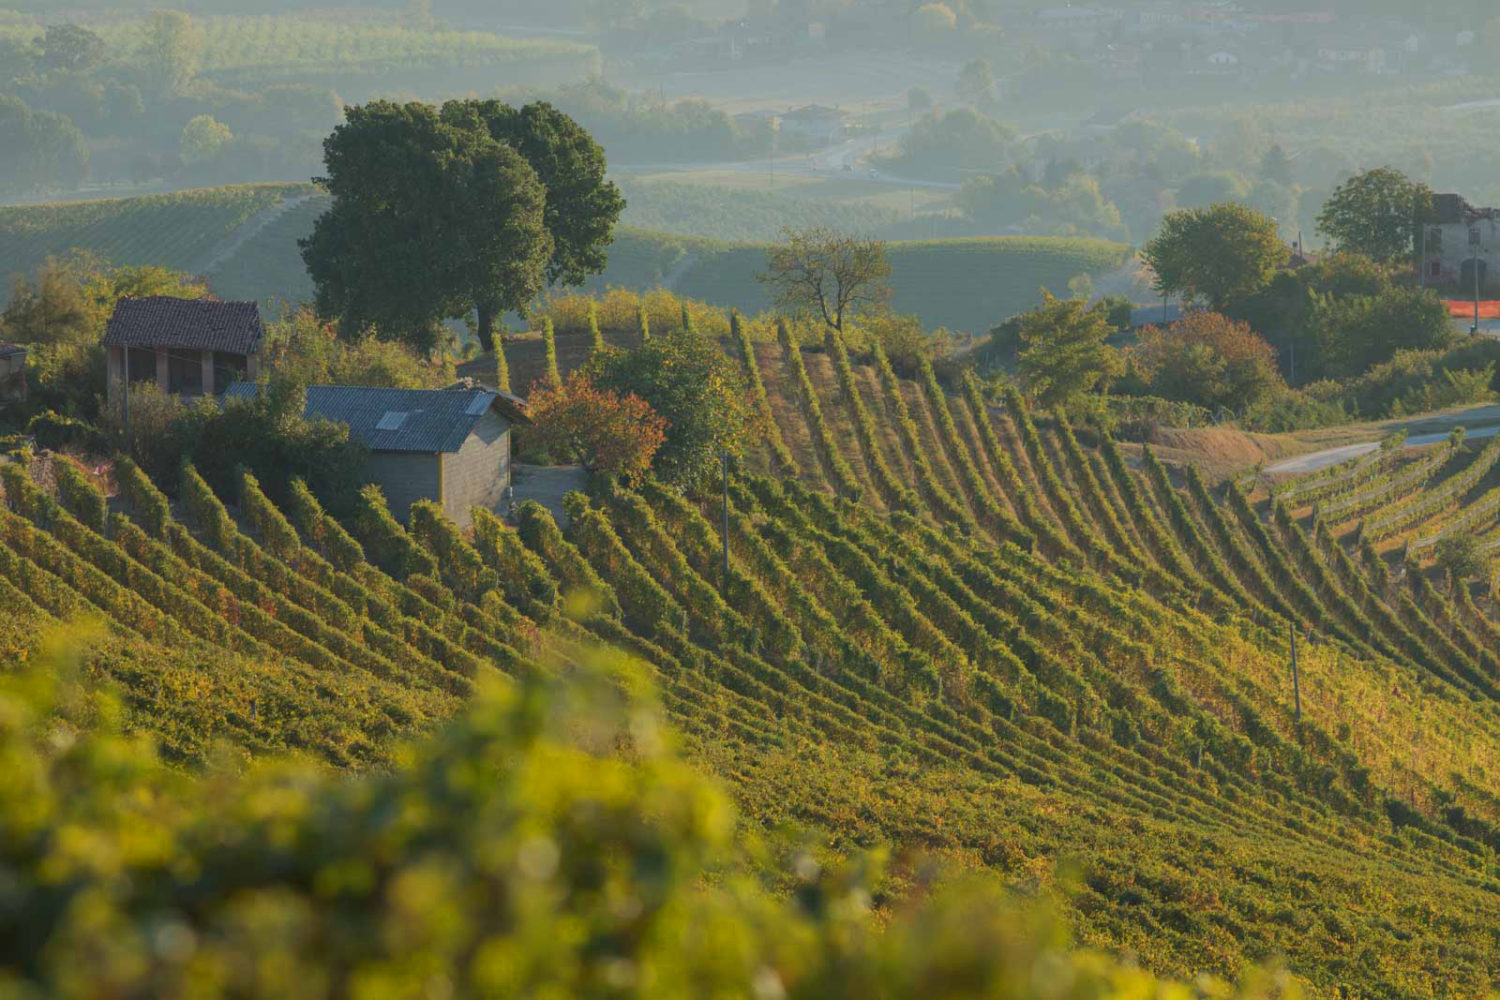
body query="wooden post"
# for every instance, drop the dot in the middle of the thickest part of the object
(1296, 680)
(724, 459)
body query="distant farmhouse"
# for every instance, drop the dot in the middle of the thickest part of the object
(1458, 240)
(450, 446)
(12, 374)
(813, 125)
(188, 347)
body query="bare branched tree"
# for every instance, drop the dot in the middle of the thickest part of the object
(828, 274)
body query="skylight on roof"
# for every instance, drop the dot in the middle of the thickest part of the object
(477, 405)
(391, 420)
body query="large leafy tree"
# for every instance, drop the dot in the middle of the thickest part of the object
(582, 207)
(472, 208)
(1065, 349)
(70, 48)
(1217, 254)
(1376, 213)
(430, 220)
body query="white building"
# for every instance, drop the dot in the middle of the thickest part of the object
(1457, 241)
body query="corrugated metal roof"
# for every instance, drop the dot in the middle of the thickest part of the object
(426, 420)
(190, 324)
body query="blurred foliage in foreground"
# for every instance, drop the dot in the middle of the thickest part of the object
(547, 844)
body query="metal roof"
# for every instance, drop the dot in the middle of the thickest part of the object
(190, 324)
(425, 420)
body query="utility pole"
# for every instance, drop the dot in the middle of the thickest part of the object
(125, 395)
(1296, 679)
(724, 461)
(1422, 254)
(1478, 262)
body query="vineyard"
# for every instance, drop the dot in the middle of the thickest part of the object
(178, 230)
(947, 623)
(967, 284)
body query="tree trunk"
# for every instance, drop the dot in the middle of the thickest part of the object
(486, 328)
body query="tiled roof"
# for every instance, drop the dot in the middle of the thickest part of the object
(426, 420)
(191, 324)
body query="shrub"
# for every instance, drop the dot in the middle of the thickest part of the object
(612, 433)
(55, 431)
(550, 376)
(79, 494)
(148, 505)
(386, 542)
(1208, 359)
(688, 381)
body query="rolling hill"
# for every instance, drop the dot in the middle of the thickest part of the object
(244, 239)
(949, 624)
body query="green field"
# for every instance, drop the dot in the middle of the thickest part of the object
(963, 284)
(1017, 653)
(178, 230)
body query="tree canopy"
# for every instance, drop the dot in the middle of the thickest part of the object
(582, 207)
(826, 274)
(611, 433)
(438, 214)
(1208, 359)
(1065, 350)
(1376, 214)
(1216, 254)
(690, 382)
(1355, 332)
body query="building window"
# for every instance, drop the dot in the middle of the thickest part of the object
(142, 362)
(228, 369)
(1435, 240)
(1473, 236)
(184, 373)
(1435, 269)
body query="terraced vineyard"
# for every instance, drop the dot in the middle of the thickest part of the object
(954, 626)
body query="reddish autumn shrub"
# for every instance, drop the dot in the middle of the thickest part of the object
(612, 433)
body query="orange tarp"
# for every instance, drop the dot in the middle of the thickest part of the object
(1465, 310)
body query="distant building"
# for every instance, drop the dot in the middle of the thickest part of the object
(1340, 52)
(188, 347)
(450, 446)
(1457, 241)
(12, 374)
(813, 125)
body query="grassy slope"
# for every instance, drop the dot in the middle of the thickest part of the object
(966, 284)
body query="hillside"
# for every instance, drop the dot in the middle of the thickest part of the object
(963, 284)
(1019, 649)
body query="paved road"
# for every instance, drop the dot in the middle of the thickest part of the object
(1323, 459)
(830, 163)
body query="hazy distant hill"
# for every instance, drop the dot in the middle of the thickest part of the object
(244, 238)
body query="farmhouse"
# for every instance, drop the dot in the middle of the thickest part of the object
(12, 374)
(1458, 240)
(451, 446)
(188, 347)
(813, 125)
